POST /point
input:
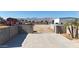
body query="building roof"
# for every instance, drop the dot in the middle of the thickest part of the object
(68, 18)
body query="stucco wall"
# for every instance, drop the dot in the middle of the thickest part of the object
(4, 35)
(28, 28)
(7, 33)
(13, 31)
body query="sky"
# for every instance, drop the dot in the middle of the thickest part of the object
(25, 14)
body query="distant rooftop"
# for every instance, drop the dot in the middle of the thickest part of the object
(68, 17)
(41, 18)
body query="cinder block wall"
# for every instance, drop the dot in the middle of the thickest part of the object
(7, 33)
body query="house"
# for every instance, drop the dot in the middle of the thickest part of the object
(11, 21)
(56, 21)
(64, 20)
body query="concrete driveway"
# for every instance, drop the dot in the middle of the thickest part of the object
(47, 40)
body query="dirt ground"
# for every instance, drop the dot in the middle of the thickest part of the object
(43, 29)
(67, 36)
(71, 39)
(1, 27)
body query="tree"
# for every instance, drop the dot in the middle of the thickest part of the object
(73, 28)
(46, 22)
(41, 21)
(76, 24)
(26, 21)
(52, 21)
(1, 20)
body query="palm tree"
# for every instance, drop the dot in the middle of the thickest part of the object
(73, 28)
(76, 24)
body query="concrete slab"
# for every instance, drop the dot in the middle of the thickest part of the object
(47, 40)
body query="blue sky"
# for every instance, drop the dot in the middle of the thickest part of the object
(54, 14)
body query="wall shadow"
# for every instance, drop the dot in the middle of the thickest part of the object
(15, 42)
